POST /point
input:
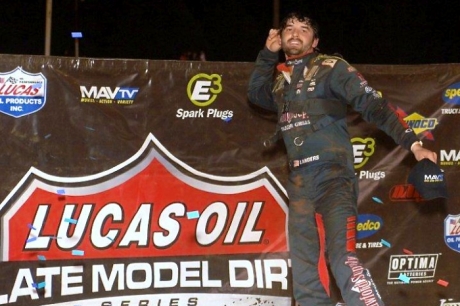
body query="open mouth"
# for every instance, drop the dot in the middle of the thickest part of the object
(294, 42)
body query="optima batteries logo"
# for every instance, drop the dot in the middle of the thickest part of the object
(22, 93)
(418, 268)
(203, 90)
(452, 94)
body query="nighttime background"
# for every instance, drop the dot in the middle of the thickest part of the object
(364, 32)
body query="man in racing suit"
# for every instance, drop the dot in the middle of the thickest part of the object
(310, 95)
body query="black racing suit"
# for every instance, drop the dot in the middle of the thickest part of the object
(311, 103)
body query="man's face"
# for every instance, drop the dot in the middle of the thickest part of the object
(297, 38)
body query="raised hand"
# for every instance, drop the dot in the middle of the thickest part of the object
(421, 153)
(273, 42)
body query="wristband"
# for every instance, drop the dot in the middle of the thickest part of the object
(419, 142)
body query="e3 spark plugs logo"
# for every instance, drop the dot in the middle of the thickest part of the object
(202, 90)
(363, 149)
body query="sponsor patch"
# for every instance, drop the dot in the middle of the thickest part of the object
(21, 92)
(416, 268)
(452, 232)
(451, 94)
(368, 225)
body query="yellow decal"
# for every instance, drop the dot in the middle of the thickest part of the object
(420, 124)
(362, 150)
(203, 89)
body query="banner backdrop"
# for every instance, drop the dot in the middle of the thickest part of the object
(141, 182)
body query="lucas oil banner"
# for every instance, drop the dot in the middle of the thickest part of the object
(140, 182)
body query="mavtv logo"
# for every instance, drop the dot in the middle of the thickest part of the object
(449, 158)
(433, 178)
(108, 95)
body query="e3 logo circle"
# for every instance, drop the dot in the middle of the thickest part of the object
(362, 150)
(203, 89)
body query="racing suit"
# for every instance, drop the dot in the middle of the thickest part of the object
(311, 101)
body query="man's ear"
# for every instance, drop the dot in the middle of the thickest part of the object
(315, 42)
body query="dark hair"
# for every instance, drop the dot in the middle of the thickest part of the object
(302, 18)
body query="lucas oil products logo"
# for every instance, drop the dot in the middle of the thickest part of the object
(452, 232)
(203, 90)
(416, 268)
(22, 93)
(150, 224)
